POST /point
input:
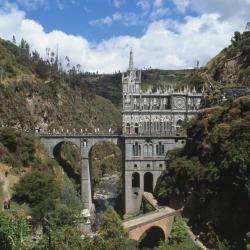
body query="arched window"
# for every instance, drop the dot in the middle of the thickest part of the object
(85, 143)
(179, 125)
(145, 150)
(160, 149)
(150, 150)
(136, 149)
(136, 127)
(144, 126)
(135, 180)
(127, 129)
(148, 182)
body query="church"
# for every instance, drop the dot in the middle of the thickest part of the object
(152, 125)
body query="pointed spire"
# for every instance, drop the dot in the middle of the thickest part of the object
(131, 61)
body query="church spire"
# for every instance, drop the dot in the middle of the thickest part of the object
(131, 61)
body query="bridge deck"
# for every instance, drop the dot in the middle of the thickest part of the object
(163, 135)
(149, 217)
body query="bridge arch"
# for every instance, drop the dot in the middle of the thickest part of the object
(97, 164)
(84, 144)
(73, 169)
(152, 237)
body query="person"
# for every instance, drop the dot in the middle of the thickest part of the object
(5, 204)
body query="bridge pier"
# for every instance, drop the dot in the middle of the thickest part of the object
(86, 184)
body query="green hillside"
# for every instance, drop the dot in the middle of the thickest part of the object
(210, 177)
(37, 93)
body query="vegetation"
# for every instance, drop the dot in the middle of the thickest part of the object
(105, 159)
(179, 238)
(12, 233)
(210, 177)
(39, 190)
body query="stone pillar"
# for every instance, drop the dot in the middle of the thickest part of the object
(86, 184)
(85, 175)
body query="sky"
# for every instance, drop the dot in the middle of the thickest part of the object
(98, 34)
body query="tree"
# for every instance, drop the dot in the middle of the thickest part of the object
(14, 39)
(8, 137)
(112, 224)
(236, 38)
(248, 26)
(39, 190)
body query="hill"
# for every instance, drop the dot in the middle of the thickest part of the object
(210, 176)
(232, 65)
(37, 93)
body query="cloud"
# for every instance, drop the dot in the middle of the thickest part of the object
(227, 9)
(159, 13)
(61, 5)
(144, 5)
(182, 5)
(158, 3)
(33, 4)
(165, 43)
(102, 21)
(118, 3)
(127, 19)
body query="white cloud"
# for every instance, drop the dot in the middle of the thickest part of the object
(102, 21)
(127, 19)
(158, 3)
(159, 13)
(60, 4)
(144, 5)
(118, 3)
(182, 4)
(117, 16)
(165, 44)
(33, 4)
(228, 9)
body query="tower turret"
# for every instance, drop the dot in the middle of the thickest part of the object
(132, 78)
(131, 61)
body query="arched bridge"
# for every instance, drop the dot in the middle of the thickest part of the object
(84, 142)
(161, 218)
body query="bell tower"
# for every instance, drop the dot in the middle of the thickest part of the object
(131, 79)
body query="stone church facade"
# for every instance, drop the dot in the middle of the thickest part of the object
(152, 125)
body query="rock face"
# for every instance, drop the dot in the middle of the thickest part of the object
(31, 105)
(232, 65)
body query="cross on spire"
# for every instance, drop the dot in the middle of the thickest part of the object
(131, 61)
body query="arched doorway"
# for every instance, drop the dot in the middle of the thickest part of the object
(136, 128)
(148, 182)
(151, 238)
(127, 129)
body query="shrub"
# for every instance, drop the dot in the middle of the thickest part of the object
(39, 190)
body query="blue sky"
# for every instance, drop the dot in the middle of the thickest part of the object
(97, 34)
(99, 19)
